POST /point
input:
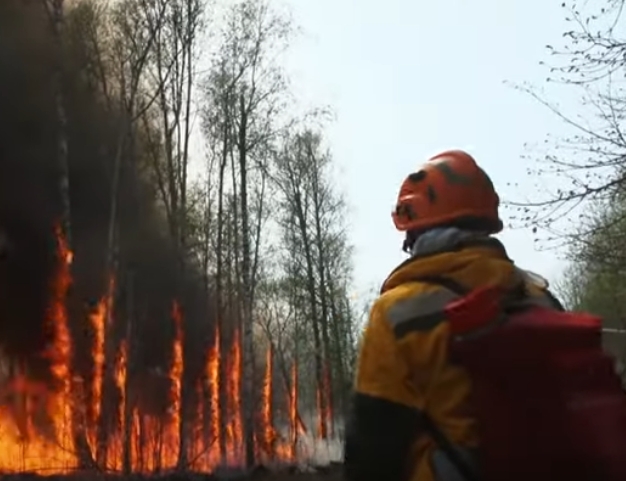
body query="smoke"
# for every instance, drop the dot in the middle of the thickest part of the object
(311, 449)
(321, 452)
(30, 207)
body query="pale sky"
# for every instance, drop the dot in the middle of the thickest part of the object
(407, 78)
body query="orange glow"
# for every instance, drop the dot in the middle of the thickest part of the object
(268, 436)
(234, 432)
(294, 426)
(39, 423)
(324, 410)
(213, 377)
(175, 375)
(98, 319)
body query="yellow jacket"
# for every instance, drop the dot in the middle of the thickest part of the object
(403, 366)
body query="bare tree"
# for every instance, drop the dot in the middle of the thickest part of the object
(245, 89)
(217, 130)
(173, 63)
(116, 60)
(319, 262)
(589, 165)
(585, 208)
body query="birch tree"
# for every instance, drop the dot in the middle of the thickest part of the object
(172, 68)
(246, 88)
(319, 262)
(117, 43)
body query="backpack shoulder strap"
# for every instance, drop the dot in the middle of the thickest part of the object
(550, 300)
(461, 465)
(463, 468)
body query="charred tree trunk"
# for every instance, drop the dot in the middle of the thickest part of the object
(325, 389)
(220, 311)
(246, 271)
(107, 409)
(111, 272)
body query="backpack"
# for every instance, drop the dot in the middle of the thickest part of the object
(548, 401)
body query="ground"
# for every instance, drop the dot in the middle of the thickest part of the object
(331, 472)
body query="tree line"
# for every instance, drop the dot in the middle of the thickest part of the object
(160, 136)
(585, 211)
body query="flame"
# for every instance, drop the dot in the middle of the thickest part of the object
(98, 319)
(268, 434)
(175, 375)
(39, 423)
(213, 377)
(234, 432)
(199, 431)
(328, 412)
(293, 412)
(114, 456)
(323, 401)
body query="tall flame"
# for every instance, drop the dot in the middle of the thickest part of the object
(213, 377)
(268, 433)
(175, 375)
(234, 417)
(97, 319)
(38, 423)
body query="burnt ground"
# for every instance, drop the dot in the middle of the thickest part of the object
(331, 472)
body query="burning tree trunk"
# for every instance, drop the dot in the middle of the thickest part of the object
(220, 304)
(293, 409)
(322, 206)
(246, 73)
(131, 59)
(291, 177)
(173, 66)
(107, 407)
(216, 433)
(268, 434)
(217, 126)
(177, 381)
(248, 346)
(143, 437)
(127, 460)
(55, 9)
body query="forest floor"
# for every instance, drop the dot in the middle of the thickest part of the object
(330, 472)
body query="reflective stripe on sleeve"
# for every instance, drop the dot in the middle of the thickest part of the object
(419, 313)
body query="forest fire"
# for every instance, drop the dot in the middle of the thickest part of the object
(41, 426)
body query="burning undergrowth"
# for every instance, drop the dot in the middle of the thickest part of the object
(123, 372)
(329, 472)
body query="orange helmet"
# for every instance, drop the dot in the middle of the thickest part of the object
(449, 189)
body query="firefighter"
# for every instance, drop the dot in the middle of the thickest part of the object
(448, 210)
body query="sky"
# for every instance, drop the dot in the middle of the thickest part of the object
(408, 78)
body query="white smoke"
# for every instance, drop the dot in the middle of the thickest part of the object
(320, 452)
(314, 451)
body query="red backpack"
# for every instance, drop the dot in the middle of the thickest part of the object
(549, 403)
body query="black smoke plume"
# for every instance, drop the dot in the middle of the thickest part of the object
(30, 208)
